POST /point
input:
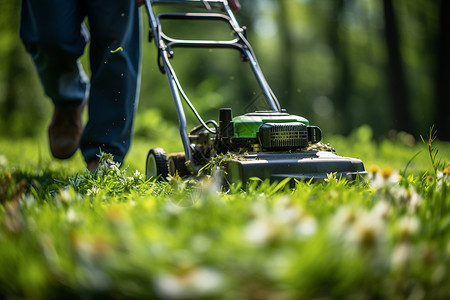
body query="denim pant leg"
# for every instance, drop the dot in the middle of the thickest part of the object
(115, 65)
(53, 33)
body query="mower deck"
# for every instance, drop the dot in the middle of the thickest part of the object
(306, 166)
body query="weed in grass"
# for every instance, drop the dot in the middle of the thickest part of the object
(433, 151)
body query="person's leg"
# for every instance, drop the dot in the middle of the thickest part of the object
(51, 31)
(115, 66)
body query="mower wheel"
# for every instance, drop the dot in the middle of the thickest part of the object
(156, 166)
(177, 164)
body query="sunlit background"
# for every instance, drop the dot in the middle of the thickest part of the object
(341, 64)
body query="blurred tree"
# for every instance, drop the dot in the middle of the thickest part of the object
(287, 55)
(343, 87)
(443, 72)
(325, 60)
(23, 108)
(399, 93)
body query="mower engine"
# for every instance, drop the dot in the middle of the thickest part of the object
(268, 145)
(256, 132)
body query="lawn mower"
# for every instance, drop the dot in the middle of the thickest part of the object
(270, 144)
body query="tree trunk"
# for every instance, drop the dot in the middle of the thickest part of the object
(396, 76)
(287, 56)
(343, 75)
(443, 73)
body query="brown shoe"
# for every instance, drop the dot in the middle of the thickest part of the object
(92, 164)
(65, 130)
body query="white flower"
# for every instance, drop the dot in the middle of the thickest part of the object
(115, 169)
(384, 178)
(65, 196)
(368, 229)
(3, 160)
(71, 216)
(284, 219)
(307, 226)
(400, 255)
(342, 220)
(192, 283)
(381, 209)
(93, 191)
(137, 175)
(286, 212)
(444, 174)
(442, 177)
(415, 199)
(258, 231)
(408, 226)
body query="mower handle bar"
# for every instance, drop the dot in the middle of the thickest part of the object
(172, 43)
(165, 45)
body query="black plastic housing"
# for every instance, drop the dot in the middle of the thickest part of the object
(283, 136)
(226, 128)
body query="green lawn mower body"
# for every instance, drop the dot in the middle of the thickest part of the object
(270, 144)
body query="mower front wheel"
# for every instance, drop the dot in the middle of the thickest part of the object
(156, 166)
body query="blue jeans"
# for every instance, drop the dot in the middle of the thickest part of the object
(55, 35)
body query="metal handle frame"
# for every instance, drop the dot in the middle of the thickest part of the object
(165, 45)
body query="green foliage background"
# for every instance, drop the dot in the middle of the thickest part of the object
(325, 60)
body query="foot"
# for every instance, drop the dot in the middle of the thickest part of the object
(65, 130)
(92, 164)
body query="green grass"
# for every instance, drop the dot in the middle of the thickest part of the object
(68, 233)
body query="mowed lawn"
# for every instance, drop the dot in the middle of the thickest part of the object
(69, 233)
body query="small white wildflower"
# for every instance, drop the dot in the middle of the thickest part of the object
(258, 231)
(373, 171)
(210, 186)
(306, 227)
(342, 220)
(381, 209)
(173, 209)
(407, 196)
(137, 175)
(65, 196)
(93, 191)
(259, 208)
(408, 226)
(366, 230)
(442, 177)
(400, 255)
(3, 160)
(115, 169)
(71, 216)
(193, 283)
(331, 177)
(446, 172)
(285, 212)
(415, 199)
(385, 178)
